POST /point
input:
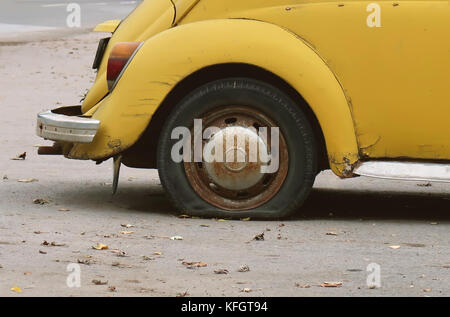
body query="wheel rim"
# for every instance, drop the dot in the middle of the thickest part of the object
(236, 182)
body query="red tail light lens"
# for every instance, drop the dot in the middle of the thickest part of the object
(120, 56)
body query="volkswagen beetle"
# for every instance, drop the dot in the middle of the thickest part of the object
(358, 87)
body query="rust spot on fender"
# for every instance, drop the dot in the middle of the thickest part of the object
(114, 144)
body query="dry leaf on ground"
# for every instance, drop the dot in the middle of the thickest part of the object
(191, 265)
(331, 284)
(302, 285)
(100, 246)
(16, 289)
(259, 237)
(127, 226)
(395, 247)
(244, 268)
(126, 232)
(221, 271)
(98, 282)
(40, 201)
(52, 244)
(20, 157)
(27, 180)
(176, 238)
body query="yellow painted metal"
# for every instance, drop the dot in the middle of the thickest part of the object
(107, 26)
(397, 76)
(169, 57)
(147, 20)
(378, 92)
(150, 18)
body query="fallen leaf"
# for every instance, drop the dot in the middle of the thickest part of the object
(157, 253)
(302, 285)
(42, 252)
(395, 247)
(126, 232)
(191, 265)
(28, 180)
(127, 226)
(120, 253)
(176, 238)
(427, 290)
(40, 201)
(246, 290)
(56, 244)
(52, 244)
(20, 157)
(259, 237)
(27, 273)
(146, 258)
(16, 289)
(331, 233)
(112, 289)
(221, 271)
(244, 268)
(63, 209)
(183, 294)
(331, 284)
(118, 264)
(98, 282)
(84, 261)
(100, 246)
(414, 245)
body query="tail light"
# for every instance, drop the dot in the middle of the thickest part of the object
(120, 57)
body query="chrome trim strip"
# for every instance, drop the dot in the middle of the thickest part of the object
(409, 171)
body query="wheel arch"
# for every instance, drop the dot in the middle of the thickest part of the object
(174, 55)
(139, 155)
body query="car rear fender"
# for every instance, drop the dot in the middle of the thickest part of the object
(169, 57)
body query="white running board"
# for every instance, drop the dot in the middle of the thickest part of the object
(410, 171)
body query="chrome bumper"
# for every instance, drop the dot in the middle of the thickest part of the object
(59, 127)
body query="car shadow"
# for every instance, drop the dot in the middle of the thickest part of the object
(326, 203)
(323, 203)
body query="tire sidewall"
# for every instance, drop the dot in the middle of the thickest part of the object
(265, 98)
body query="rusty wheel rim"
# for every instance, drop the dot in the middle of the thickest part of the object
(238, 184)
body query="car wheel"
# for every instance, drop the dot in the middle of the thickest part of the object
(274, 183)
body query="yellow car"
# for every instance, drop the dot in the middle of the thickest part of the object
(240, 104)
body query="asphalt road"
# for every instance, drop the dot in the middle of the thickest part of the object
(344, 226)
(45, 15)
